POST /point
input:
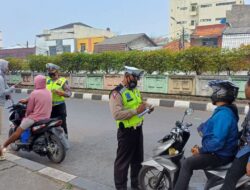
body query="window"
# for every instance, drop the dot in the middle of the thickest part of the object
(183, 8)
(205, 20)
(67, 48)
(192, 23)
(222, 20)
(212, 42)
(226, 3)
(194, 7)
(182, 22)
(52, 50)
(206, 5)
(83, 48)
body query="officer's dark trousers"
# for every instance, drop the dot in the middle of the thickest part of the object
(129, 153)
(60, 112)
(197, 162)
(237, 170)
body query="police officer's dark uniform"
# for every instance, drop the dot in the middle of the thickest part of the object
(124, 102)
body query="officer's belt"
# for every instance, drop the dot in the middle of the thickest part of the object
(132, 127)
(57, 103)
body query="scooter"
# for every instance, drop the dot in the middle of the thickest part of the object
(161, 172)
(45, 137)
(217, 176)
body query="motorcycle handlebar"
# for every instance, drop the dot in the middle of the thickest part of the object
(181, 125)
(13, 103)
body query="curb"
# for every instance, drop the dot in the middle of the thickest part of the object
(55, 174)
(199, 106)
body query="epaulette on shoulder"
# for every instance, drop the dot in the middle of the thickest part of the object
(120, 88)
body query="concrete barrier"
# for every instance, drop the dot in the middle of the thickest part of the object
(181, 85)
(78, 81)
(240, 81)
(155, 83)
(111, 81)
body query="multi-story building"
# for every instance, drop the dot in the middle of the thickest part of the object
(74, 37)
(185, 15)
(1, 40)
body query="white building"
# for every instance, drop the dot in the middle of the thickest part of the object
(188, 14)
(64, 38)
(236, 37)
(238, 32)
(1, 40)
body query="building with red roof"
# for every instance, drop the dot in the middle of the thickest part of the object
(209, 35)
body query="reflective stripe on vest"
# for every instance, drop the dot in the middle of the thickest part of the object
(131, 99)
(56, 85)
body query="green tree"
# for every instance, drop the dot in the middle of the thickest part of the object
(15, 64)
(38, 62)
(245, 56)
(219, 60)
(92, 63)
(111, 61)
(155, 61)
(196, 59)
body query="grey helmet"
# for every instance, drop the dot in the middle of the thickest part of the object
(137, 73)
(223, 91)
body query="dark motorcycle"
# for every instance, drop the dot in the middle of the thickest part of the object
(45, 137)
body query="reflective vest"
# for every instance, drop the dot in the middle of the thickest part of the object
(56, 85)
(131, 99)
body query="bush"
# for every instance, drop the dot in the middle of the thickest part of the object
(195, 59)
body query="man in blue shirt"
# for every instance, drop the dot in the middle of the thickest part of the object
(219, 134)
(241, 164)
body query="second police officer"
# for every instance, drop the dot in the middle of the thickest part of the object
(125, 105)
(60, 89)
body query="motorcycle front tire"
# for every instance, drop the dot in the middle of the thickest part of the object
(165, 184)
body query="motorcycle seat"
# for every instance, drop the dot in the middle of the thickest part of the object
(224, 167)
(45, 121)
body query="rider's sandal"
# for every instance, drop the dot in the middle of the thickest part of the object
(2, 158)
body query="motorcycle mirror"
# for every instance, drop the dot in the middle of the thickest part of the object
(189, 111)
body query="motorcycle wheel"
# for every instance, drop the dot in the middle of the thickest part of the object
(13, 146)
(148, 177)
(56, 150)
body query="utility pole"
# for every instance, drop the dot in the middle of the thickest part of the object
(183, 37)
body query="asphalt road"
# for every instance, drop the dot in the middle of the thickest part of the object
(92, 134)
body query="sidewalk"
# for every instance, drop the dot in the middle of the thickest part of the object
(16, 176)
(23, 174)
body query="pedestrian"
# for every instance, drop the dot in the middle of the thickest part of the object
(125, 104)
(219, 134)
(5, 90)
(60, 89)
(241, 164)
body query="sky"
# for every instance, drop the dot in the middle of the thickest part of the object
(21, 21)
